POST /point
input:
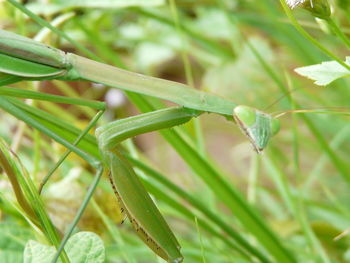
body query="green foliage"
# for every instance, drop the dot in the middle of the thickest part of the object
(12, 242)
(83, 247)
(325, 72)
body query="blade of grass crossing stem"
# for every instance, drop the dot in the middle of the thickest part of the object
(91, 124)
(80, 212)
(54, 98)
(28, 94)
(58, 126)
(32, 197)
(14, 175)
(6, 105)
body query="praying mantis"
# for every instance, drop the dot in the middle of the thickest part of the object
(24, 59)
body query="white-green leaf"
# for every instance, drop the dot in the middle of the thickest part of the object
(83, 247)
(326, 72)
(35, 252)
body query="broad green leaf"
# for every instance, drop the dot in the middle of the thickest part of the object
(35, 252)
(12, 242)
(325, 73)
(83, 247)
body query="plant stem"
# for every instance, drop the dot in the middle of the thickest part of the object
(338, 32)
(309, 37)
(75, 143)
(79, 213)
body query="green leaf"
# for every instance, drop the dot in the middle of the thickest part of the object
(83, 247)
(12, 241)
(326, 72)
(38, 253)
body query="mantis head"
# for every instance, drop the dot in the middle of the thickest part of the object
(258, 126)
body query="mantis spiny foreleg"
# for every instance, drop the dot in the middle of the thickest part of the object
(139, 207)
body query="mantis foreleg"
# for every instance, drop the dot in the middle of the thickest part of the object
(113, 133)
(139, 207)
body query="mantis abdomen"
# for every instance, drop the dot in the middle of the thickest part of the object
(147, 221)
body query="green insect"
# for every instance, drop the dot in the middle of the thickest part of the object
(258, 126)
(24, 59)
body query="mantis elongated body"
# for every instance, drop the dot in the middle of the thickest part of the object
(24, 59)
(33, 60)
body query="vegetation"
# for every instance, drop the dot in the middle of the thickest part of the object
(222, 200)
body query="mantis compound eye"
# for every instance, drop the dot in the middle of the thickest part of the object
(245, 114)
